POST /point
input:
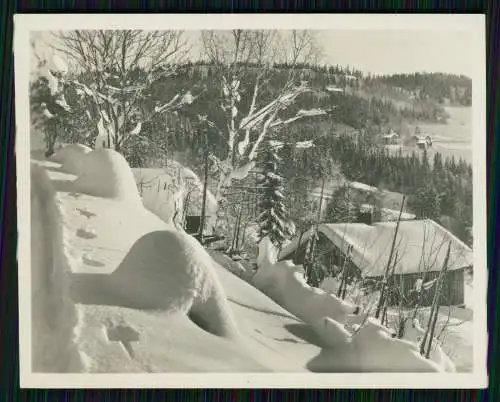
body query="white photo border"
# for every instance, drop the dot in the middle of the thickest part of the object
(474, 24)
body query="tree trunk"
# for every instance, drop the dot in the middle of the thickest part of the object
(238, 227)
(341, 292)
(244, 234)
(310, 259)
(382, 292)
(390, 287)
(204, 200)
(296, 252)
(431, 323)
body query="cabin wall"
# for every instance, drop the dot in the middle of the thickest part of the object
(452, 294)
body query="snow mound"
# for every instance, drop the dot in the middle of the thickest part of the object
(266, 258)
(106, 173)
(331, 332)
(371, 349)
(174, 191)
(414, 333)
(232, 266)
(71, 158)
(54, 315)
(285, 283)
(170, 271)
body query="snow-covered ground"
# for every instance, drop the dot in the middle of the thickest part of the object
(458, 335)
(110, 333)
(117, 289)
(172, 189)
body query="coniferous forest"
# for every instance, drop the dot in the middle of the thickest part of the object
(363, 108)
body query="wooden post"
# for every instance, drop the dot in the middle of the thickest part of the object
(438, 300)
(310, 258)
(238, 225)
(382, 292)
(204, 201)
(341, 291)
(433, 316)
(391, 278)
(296, 252)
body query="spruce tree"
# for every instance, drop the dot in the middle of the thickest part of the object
(273, 220)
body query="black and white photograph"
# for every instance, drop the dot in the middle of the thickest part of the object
(250, 200)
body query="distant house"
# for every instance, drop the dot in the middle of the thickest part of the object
(391, 138)
(420, 247)
(423, 142)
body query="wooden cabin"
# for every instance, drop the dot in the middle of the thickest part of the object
(420, 249)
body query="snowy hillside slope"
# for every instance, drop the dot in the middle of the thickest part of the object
(115, 337)
(135, 295)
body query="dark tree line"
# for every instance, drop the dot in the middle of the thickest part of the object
(440, 189)
(352, 109)
(438, 86)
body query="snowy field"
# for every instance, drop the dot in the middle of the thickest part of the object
(451, 139)
(117, 289)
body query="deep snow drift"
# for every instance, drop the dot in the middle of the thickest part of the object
(151, 299)
(53, 313)
(285, 283)
(105, 173)
(167, 271)
(110, 243)
(172, 192)
(71, 157)
(370, 348)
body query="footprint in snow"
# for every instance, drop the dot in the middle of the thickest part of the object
(86, 233)
(289, 340)
(125, 335)
(85, 212)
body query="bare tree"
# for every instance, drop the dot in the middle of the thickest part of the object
(248, 54)
(389, 262)
(118, 66)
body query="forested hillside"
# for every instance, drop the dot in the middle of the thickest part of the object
(360, 109)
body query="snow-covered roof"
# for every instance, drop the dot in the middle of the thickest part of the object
(392, 215)
(391, 135)
(333, 88)
(387, 214)
(421, 246)
(362, 186)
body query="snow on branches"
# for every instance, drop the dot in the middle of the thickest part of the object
(273, 220)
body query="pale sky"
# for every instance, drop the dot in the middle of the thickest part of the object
(389, 51)
(386, 52)
(393, 51)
